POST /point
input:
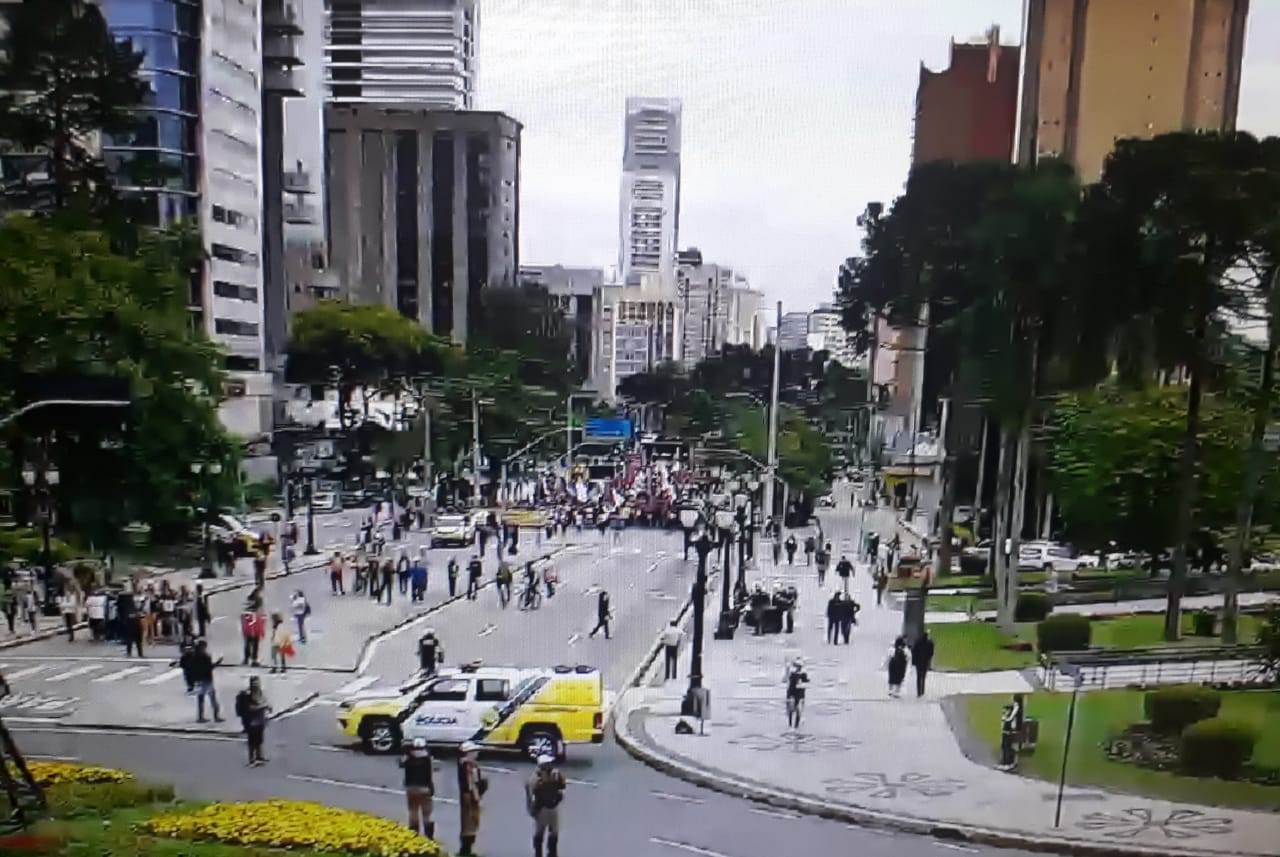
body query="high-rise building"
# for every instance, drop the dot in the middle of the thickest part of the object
(1098, 72)
(969, 111)
(423, 209)
(419, 52)
(826, 333)
(717, 308)
(793, 332)
(649, 220)
(639, 329)
(577, 291)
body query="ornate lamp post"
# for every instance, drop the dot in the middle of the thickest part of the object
(728, 616)
(740, 525)
(752, 487)
(702, 544)
(42, 479)
(311, 549)
(213, 468)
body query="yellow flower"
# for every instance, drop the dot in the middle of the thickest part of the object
(57, 773)
(296, 824)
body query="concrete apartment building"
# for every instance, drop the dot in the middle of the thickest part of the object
(639, 328)
(793, 332)
(1096, 72)
(826, 333)
(649, 213)
(423, 209)
(717, 307)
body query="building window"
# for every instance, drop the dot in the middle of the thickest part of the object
(223, 289)
(232, 327)
(233, 254)
(231, 217)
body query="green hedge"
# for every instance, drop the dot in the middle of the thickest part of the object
(1217, 747)
(1173, 709)
(1032, 607)
(1063, 632)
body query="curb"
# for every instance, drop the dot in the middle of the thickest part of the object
(945, 830)
(188, 730)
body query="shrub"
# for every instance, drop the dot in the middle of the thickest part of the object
(1063, 632)
(58, 773)
(1173, 709)
(1217, 747)
(79, 800)
(1031, 607)
(295, 824)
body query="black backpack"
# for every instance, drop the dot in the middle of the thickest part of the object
(548, 791)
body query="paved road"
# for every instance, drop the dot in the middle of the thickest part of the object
(614, 804)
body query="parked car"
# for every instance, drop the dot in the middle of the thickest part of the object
(453, 530)
(1047, 556)
(326, 501)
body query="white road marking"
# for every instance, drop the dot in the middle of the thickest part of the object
(684, 846)
(23, 673)
(360, 786)
(39, 720)
(680, 798)
(163, 677)
(488, 629)
(62, 730)
(72, 673)
(116, 676)
(574, 639)
(54, 705)
(358, 685)
(497, 769)
(773, 813)
(49, 758)
(586, 783)
(328, 748)
(955, 847)
(651, 568)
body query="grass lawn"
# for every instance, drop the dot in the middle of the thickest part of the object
(959, 603)
(1097, 713)
(978, 646)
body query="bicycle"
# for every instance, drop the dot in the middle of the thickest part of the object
(530, 598)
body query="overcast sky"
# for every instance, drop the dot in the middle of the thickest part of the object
(796, 113)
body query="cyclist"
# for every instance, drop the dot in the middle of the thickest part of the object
(531, 597)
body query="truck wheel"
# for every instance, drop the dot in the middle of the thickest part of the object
(542, 741)
(380, 736)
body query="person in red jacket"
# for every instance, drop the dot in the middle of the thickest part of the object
(252, 627)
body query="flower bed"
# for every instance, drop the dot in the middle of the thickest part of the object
(60, 773)
(295, 824)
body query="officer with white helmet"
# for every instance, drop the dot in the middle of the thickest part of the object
(419, 787)
(543, 794)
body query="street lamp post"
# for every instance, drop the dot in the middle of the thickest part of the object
(213, 468)
(752, 486)
(311, 520)
(690, 705)
(41, 480)
(724, 522)
(741, 521)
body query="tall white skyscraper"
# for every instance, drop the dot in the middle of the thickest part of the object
(649, 221)
(419, 51)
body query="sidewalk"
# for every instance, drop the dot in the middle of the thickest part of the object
(869, 759)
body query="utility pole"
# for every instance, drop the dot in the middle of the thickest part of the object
(475, 447)
(426, 441)
(771, 462)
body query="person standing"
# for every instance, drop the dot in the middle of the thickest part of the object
(252, 627)
(797, 680)
(9, 607)
(844, 570)
(922, 659)
(388, 573)
(200, 668)
(543, 795)
(130, 624)
(203, 615)
(810, 547)
(430, 653)
(31, 610)
(474, 570)
(336, 570)
(67, 606)
(471, 788)
(504, 583)
(833, 619)
(419, 787)
(403, 571)
(671, 638)
(897, 664)
(301, 610)
(252, 709)
(451, 571)
(603, 612)
(882, 583)
(281, 644)
(823, 558)
(260, 565)
(418, 577)
(791, 550)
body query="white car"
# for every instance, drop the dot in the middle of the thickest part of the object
(453, 530)
(326, 502)
(228, 526)
(1047, 556)
(826, 501)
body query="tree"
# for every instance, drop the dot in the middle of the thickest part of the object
(64, 79)
(1177, 214)
(361, 347)
(528, 319)
(70, 306)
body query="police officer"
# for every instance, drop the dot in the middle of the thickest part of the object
(543, 793)
(419, 787)
(430, 652)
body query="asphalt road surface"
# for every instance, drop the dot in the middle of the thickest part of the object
(614, 805)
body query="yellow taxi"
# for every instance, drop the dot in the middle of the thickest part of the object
(536, 711)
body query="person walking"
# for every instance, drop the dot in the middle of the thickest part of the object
(881, 584)
(822, 556)
(252, 709)
(671, 638)
(848, 615)
(200, 667)
(504, 583)
(336, 570)
(418, 577)
(9, 607)
(897, 664)
(451, 571)
(67, 606)
(603, 613)
(419, 787)
(474, 571)
(260, 565)
(810, 547)
(403, 572)
(791, 550)
(31, 611)
(844, 570)
(203, 614)
(388, 574)
(796, 680)
(471, 788)
(301, 610)
(430, 653)
(543, 793)
(922, 659)
(281, 644)
(833, 619)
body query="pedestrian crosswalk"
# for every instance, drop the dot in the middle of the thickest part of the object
(54, 686)
(41, 704)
